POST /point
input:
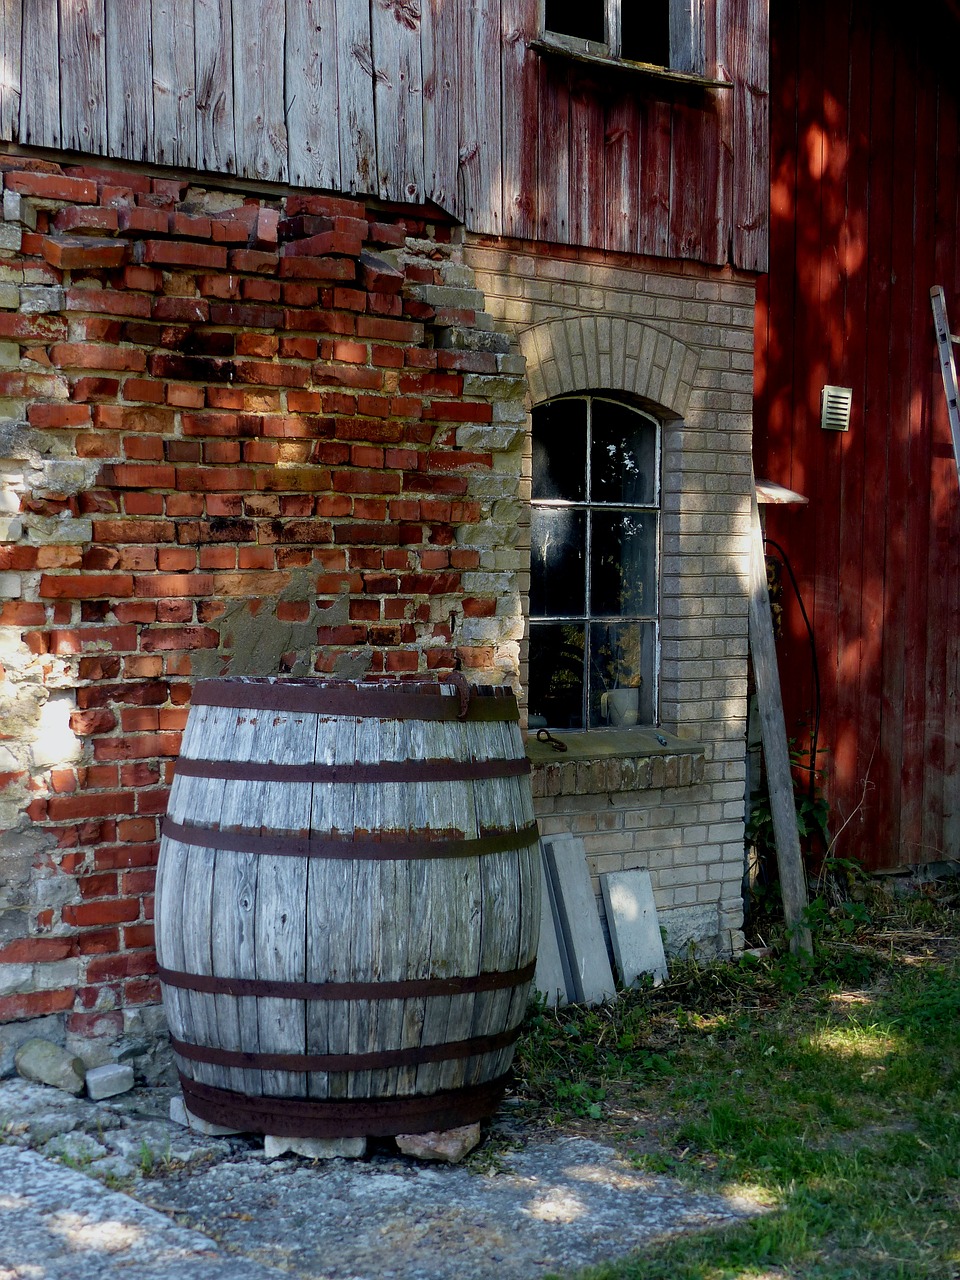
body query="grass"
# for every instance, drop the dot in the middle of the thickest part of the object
(830, 1094)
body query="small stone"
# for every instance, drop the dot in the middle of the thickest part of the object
(112, 1167)
(47, 1063)
(180, 1115)
(75, 1148)
(315, 1148)
(107, 1081)
(449, 1144)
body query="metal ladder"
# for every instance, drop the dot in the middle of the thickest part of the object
(948, 367)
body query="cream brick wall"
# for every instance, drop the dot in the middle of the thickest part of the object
(679, 338)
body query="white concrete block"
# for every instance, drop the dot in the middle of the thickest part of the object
(315, 1148)
(590, 969)
(634, 927)
(109, 1080)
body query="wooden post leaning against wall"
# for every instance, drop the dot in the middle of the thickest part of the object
(776, 757)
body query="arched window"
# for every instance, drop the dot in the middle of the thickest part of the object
(594, 598)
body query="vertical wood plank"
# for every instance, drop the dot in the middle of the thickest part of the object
(312, 102)
(553, 212)
(941, 796)
(196, 913)
(174, 82)
(398, 90)
(83, 77)
(775, 755)
(826, 330)
(906, 242)
(694, 219)
(11, 32)
(129, 58)
(213, 34)
(234, 955)
(355, 87)
(39, 74)
(169, 933)
(478, 58)
(329, 891)
(883, 176)
(655, 177)
(621, 175)
(258, 85)
(747, 32)
(441, 35)
(920, 524)
(587, 213)
(280, 945)
(520, 98)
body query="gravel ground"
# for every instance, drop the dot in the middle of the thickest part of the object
(111, 1190)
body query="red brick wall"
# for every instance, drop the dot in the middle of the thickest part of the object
(233, 426)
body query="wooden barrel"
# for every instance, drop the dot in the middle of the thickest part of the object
(347, 905)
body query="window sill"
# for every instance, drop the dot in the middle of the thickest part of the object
(611, 760)
(645, 70)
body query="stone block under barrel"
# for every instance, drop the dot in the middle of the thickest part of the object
(347, 904)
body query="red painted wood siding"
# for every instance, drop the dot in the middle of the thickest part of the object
(865, 116)
(413, 102)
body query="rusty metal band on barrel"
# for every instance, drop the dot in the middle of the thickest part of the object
(386, 771)
(409, 989)
(381, 1061)
(343, 1117)
(362, 848)
(412, 702)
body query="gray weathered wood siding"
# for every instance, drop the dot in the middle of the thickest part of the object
(410, 101)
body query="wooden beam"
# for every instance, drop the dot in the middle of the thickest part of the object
(776, 757)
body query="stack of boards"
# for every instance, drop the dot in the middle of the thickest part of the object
(573, 965)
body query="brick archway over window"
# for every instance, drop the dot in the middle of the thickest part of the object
(611, 354)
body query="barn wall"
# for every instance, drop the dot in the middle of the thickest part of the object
(409, 102)
(865, 127)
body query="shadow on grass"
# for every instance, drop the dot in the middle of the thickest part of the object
(839, 1109)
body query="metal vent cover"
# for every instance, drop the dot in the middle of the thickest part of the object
(835, 406)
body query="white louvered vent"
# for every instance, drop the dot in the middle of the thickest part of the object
(835, 406)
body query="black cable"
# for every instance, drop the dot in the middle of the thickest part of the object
(815, 736)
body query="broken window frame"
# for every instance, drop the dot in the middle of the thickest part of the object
(686, 35)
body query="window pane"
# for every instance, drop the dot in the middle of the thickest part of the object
(557, 585)
(556, 675)
(582, 18)
(560, 451)
(622, 683)
(624, 563)
(623, 458)
(645, 32)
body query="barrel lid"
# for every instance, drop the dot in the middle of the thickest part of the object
(449, 699)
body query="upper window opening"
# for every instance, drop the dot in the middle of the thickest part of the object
(573, 18)
(659, 33)
(645, 34)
